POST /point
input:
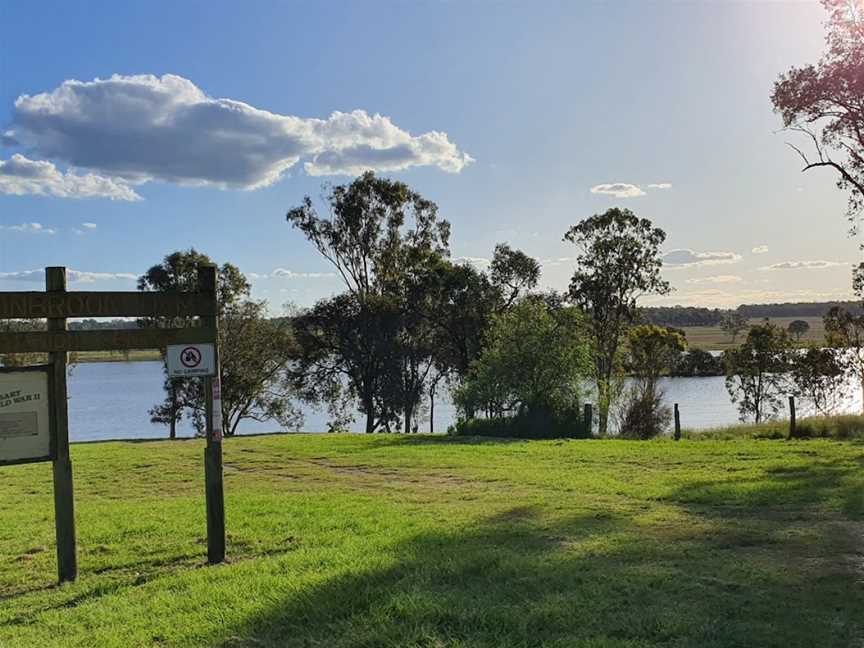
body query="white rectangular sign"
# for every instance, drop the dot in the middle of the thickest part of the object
(25, 421)
(190, 360)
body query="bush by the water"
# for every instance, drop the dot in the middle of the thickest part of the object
(569, 424)
(645, 415)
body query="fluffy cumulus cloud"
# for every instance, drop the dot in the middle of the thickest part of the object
(716, 279)
(29, 228)
(20, 176)
(74, 276)
(685, 258)
(626, 190)
(805, 265)
(760, 249)
(132, 129)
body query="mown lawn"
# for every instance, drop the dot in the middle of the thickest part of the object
(340, 541)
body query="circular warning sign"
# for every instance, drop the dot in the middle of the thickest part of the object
(190, 357)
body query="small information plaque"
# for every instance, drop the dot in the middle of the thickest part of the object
(25, 419)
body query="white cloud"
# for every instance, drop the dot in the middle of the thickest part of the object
(618, 190)
(20, 176)
(716, 279)
(760, 249)
(89, 226)
(140, 128)
(283, 273)
(29, 228)
(685, 258)
(626, 190)
(805, 265)
(74, 276)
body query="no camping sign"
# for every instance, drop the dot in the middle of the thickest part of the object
(191, 360)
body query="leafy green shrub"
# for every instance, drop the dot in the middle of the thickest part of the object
(536, 425)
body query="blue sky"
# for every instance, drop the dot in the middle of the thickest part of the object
(506, 114)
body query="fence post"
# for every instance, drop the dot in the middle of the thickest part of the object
(589, 412)
(677, 423)
(64, 501)
(791, 417)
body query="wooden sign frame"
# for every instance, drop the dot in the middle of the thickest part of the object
(57, 304)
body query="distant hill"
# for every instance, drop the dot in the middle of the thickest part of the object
(698, 316)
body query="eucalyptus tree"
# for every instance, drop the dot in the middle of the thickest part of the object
(757, 375)
(254, 350)
(380, 236)
(618, 262)
(824, 103)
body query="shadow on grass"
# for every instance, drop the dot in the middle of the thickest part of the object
(518, 580)
(780, 489)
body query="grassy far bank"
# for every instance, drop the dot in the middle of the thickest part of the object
(434, 541)
(712, 338)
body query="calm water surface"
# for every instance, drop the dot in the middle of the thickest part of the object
(110, 400)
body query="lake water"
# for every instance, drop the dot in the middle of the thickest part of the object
(110, 400)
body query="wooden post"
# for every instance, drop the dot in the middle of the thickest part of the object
(64, 501)
(213, 488)
(589, 412)
(677, 423)
(791, 417)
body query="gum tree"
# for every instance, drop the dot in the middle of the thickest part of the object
(618, 262)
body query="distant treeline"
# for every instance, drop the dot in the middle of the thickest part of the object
(679, 316)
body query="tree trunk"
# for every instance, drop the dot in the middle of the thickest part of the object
(432, 410)
(370, 421)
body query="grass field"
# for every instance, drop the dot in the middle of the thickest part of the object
(339, 541)
(711, 338)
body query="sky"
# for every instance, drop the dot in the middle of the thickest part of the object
(130, 130)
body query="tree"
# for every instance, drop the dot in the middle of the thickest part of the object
(697, 363)
(347, 348)
(533, 365)
(733, 324)
(825, 102)
(380, 236)
(797, 328)
(253, 350)
(756, 377)
(513, 273)
(820, 377)
(845, 332)
(652, 351)
(619, 261)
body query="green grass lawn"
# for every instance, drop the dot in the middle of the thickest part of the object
(338, 541)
